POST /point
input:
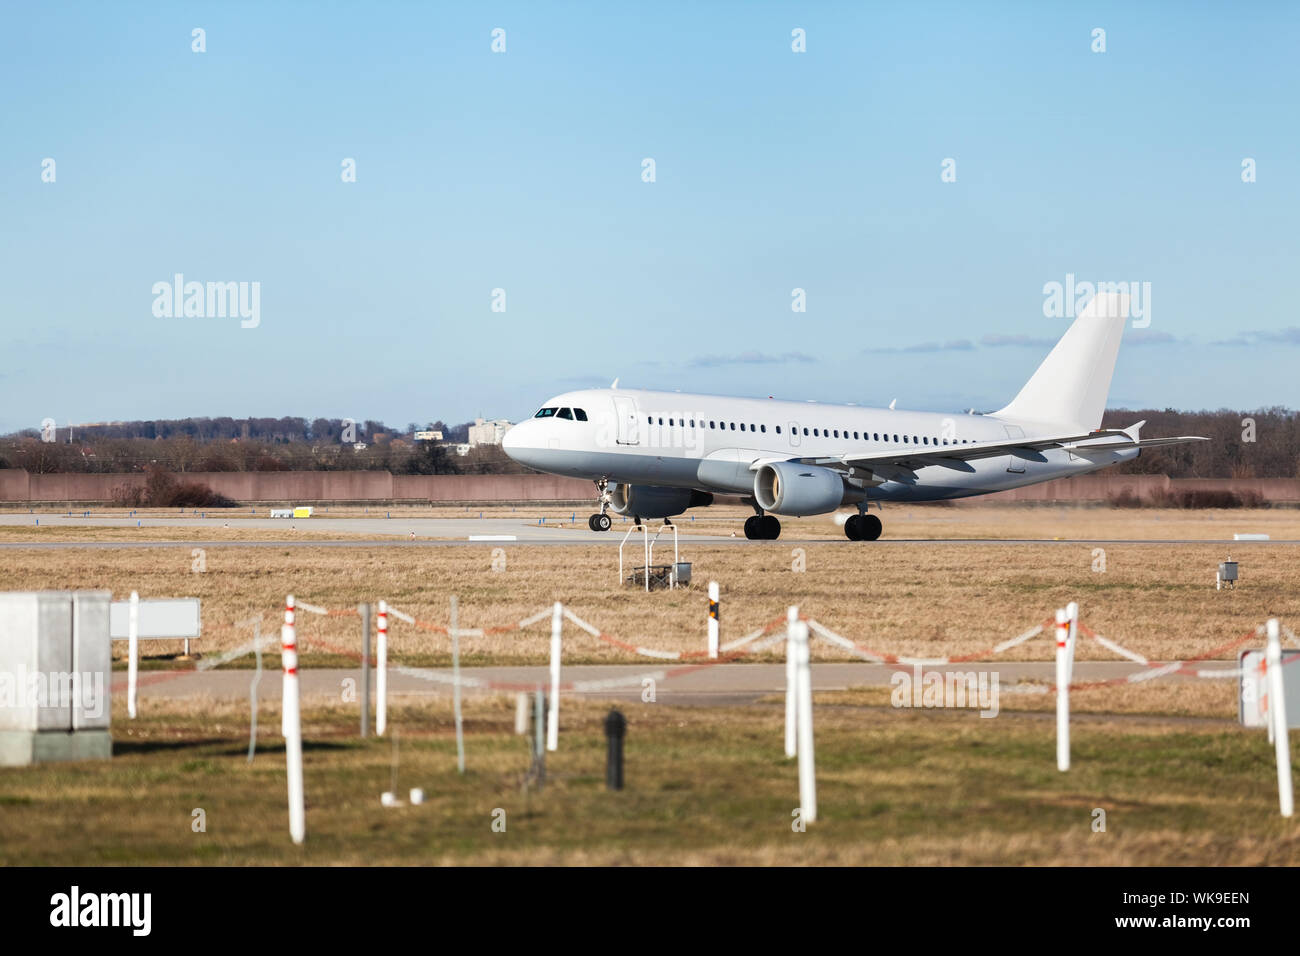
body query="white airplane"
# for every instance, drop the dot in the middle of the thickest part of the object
(656, 454)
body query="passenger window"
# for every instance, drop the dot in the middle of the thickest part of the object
(579, 414)
(661, 421)
(712, 424)
(733, 426)
(837, 433)
(925, 440)
(805, 431)
(778, 429)
(565, 414)
(815, 435)
(763, 429)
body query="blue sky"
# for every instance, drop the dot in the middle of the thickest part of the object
(522, 171)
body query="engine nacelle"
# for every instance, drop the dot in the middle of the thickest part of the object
(788, 488)
(653, 501)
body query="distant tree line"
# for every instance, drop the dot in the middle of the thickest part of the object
(251, 444)
(1254, 444)
(1261, 444)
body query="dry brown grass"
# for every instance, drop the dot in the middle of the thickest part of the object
(976, 519)
(929, 600)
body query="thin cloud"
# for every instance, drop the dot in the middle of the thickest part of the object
(1288, 336)
(1004, 341)
(1149, 337)
(953, 345)
(750, 358)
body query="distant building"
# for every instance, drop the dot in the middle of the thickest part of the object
(462, 450)
(428, 436)
(359, 446)
(487, 432)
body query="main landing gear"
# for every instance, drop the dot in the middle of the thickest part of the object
(601, 521)
(863, 527)
(762, 528)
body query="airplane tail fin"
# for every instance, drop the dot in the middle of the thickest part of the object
(1071, 385)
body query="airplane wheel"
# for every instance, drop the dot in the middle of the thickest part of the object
(853, 528)
(591, 522)
(753, 527)
(771, 527)
(870, 527)
(600, 522)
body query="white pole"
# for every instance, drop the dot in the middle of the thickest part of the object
(455, 688)
(1277, 715)
(1062, 690)
(791, 689)
(1072, 613)
(381, 671)
(713, 620)
(293, 733)
(521, 713)
(132, 652)
(284, 676)
(553, 718)
(807, 764)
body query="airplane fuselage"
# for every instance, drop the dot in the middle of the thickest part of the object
(711, 443)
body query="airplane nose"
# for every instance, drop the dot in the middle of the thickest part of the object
(515, 442)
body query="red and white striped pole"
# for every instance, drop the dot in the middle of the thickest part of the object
(292, 727)
(381, 671)
(553, 718)
(713, 619)
(1062, 689)
(284, 684)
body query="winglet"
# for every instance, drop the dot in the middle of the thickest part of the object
(1132, 430)
(614, 384)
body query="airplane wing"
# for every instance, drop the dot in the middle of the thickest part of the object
(901, 464)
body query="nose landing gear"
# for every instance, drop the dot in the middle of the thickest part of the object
(601, 521)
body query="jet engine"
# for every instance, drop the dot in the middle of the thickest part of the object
(789, 488)
(652, 501)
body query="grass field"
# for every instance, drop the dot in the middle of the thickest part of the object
(704, 786)
(1180, 782)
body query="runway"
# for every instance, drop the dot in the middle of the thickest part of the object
(717, 685)
(460, 532)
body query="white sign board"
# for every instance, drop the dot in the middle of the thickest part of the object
(1252, 696)
(161, 617)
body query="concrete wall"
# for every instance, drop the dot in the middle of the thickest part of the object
(285, 487)
(18, 487)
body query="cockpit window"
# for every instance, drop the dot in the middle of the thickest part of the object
(564, 413)
(579, 414)
(546, 412)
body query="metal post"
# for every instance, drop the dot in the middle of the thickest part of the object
(455, 691)
(365, 669)
(539, 741)
(713, 620)
(615, 729)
